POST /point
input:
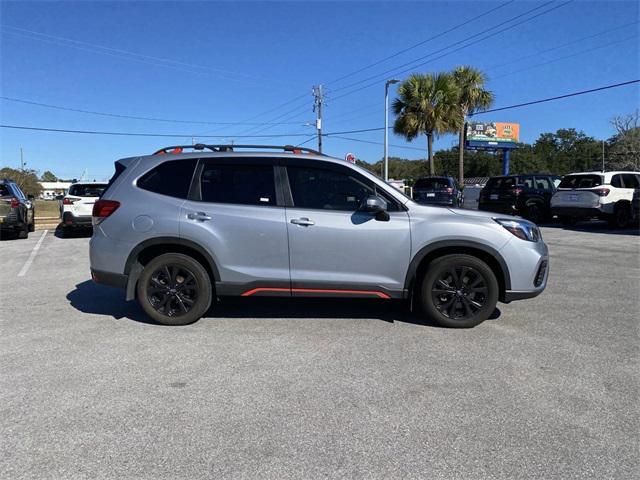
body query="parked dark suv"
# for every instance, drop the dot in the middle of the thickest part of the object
(526, 195)
(438, 191)
(17, 216)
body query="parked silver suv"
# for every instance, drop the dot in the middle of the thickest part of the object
(174, 229)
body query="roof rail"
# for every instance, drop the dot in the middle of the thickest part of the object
(174, 149)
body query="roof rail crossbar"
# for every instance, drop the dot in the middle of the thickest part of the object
(232, 148)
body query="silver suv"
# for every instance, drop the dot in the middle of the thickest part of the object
(175, 229)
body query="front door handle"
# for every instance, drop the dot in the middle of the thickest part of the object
(200, 216)
(304, 221)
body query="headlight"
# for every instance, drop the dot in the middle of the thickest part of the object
(523, 229)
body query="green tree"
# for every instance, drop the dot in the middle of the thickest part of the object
(27, 180)
(472, 96)
(427, 104)
(48, 176)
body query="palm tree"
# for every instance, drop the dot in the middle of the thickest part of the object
(472, 97)
(427, 104)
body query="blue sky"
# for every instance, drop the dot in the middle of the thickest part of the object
(234, 61)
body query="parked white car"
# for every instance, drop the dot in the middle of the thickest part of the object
(603, 195)
(77, 205)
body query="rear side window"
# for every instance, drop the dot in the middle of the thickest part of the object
(630, 180)
(172, 178)
(4, 191)
(87, 190)
(581, 181)
(432, 183)
(500, 183)
(542, 183)
(240, 184)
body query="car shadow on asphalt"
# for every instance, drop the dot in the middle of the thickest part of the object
(82, 232)
(89, 297)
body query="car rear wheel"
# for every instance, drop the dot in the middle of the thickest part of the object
(621, 216)
(24, 231)
(568, 221)
(174, 289)
(534, 213)
(459, 291)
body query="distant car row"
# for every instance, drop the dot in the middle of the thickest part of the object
(610, 196)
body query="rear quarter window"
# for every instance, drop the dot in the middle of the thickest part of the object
(4, 191)
(171, 178)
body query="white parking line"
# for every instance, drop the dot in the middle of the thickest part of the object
(29, 261)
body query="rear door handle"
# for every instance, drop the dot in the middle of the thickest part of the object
(304, 221)
(200, 216)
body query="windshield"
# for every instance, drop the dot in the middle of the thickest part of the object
(87, 190)
(432, 183)
(581, 181)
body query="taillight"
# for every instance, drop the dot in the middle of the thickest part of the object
(516, 191)
(67, 201)
(14, 202)
(449, 190)
(602, 192)
(103, 208)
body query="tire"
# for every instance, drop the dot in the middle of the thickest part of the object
(534, 213)
(168, 283)
(449, 299)
(24, 232)
(621, 217)
(32, 226)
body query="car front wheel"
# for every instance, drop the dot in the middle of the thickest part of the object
(174, 289)
(459, 291)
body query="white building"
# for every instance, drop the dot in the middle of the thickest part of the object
(51, 189)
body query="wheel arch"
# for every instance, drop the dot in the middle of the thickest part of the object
(487, 254)
(145, 251)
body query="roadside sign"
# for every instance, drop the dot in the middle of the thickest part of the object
(350, 157)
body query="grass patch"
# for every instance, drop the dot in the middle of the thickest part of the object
(47, 208)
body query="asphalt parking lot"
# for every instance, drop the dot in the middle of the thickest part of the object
(269, 388)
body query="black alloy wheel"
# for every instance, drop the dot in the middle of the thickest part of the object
(459, 290)
(172, 290)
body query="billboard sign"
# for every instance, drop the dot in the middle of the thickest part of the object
(492, 134)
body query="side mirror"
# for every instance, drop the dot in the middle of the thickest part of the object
(374, 204)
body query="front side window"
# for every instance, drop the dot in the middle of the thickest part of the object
(322, 189)
(172, 178)
(240, 184)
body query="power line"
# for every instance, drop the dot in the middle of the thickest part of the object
(117, 115)
(121, 53)
(376, 143)
(393, 72)
(576, 54)
(131, 134)
(400, 52)
(550, 99)
(518, 105)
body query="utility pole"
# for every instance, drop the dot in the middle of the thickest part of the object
(603, 156)
(386, 127)
(21, 160)
(317, 107)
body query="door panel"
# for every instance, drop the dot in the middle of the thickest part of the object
(348, 250)
(248, 243)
